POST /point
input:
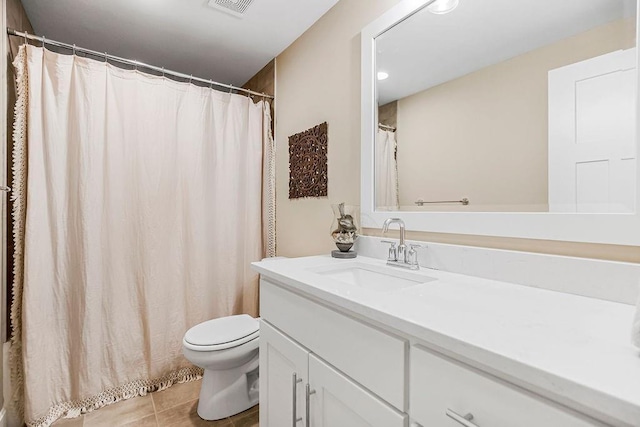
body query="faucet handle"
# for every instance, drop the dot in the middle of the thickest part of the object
(413, 255)
(393, 251)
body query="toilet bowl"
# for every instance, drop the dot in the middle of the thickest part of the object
(227, 350)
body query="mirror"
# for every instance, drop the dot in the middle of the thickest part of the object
(504, 106)
(544, 202)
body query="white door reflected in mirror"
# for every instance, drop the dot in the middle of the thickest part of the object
(592, 152)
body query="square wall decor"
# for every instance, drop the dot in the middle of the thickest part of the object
(308, 163)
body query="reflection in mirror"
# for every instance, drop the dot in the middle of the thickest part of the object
(515, 106)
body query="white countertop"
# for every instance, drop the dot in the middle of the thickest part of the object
(572, 349)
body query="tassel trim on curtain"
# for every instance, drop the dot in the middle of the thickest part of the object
(18, 215)
(269, 185)
(75, 408)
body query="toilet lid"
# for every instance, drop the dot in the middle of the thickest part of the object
(222, 331)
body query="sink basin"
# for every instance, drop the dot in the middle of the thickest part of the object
(372, 277)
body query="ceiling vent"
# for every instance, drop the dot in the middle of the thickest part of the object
(236, 8)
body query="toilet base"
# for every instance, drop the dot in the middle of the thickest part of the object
(228, 392)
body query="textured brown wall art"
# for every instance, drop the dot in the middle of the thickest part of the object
(308, 163)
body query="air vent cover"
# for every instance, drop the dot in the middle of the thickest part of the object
(233, 7)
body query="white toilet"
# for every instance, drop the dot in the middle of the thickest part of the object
(227, 350)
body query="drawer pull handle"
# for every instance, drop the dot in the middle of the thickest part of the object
(294, 385)
(464, 420)
(309, 393)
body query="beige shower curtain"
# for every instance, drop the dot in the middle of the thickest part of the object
(145, 205)
(386, 171)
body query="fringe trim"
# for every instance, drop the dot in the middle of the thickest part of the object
(75, 408)
(18, 215)
(269, 183)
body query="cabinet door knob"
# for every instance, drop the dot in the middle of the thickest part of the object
(294, 386)
(309, 393)
(464, 420)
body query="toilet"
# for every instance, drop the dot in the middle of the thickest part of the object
(227, 350)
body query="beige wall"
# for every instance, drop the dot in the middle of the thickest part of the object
(17, 19)
(388, 114)
(317, 80)
(484, 136)
(264, 81)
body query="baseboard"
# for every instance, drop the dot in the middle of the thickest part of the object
(3, 418)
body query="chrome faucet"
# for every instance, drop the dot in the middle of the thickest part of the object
(402, 248)
(400, 257)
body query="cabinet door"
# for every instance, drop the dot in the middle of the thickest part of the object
(335, 400)
(376, 360)
(442, 392)
(283, 375)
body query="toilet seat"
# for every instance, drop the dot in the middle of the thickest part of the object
(223, 333)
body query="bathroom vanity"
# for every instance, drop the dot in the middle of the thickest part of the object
(359, 343)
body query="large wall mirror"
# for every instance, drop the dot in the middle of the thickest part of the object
(502, 117)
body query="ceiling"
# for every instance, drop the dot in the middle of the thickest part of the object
(427, 49)
(181, 35)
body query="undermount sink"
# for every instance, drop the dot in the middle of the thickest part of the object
(372, 277)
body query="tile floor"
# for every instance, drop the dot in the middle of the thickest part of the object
(175, 407)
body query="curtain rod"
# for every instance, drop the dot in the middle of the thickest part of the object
(135, 63)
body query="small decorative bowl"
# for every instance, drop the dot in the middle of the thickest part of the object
(344, 247)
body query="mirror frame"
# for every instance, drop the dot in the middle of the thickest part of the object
(610, 228)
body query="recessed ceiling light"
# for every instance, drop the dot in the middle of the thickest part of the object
(440, 7)
(382, 75)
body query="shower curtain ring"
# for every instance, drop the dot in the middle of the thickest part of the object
(43, 41)
(230, 89)
(210, 84)
(191, 79)
(74, 49)
(162, 71)
(106, 58)
(26, 39)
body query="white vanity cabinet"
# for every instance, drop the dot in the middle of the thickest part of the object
(297, 384)
(339, 401)
(507, 355)
(301, 337)
(443, 392)
(324, 365)
(284, 368)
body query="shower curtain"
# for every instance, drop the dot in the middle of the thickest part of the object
(386, 171)
(143, 206)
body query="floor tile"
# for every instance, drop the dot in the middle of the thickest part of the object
(121, 413)
(149, 421)
(175, 395)
(186, 415)
(250, 420)
(248, 412)
(69, 422)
